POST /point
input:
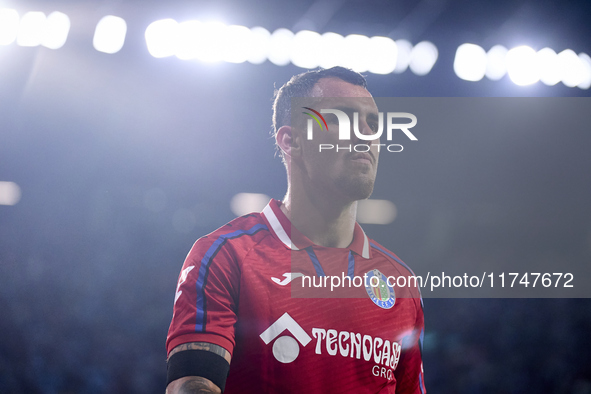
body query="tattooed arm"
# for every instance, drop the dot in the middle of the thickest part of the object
(196, 384)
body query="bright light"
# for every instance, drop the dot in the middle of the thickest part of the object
(259, 49)
(586, 82)
(243, 203)
(522, 66)
(571, 68)
(280, 47)
(32, 27)
(237, 42)
(383, 54)
(306, 49)
(10, 193)
(57, 27)
(332, 45)
(210, 44)
(357, 52)
(161, 37)
(211, 41)
(376, 211)
(470, 62)
(404, 48)
(190, 35)
(549, 66)
(109, 35)
(496, 65)
(9, 22)
(423, 57)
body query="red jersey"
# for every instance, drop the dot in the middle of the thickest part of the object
(236, 290)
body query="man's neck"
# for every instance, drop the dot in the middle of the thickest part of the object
(325, 222)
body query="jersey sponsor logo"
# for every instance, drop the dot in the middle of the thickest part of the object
(383, 353)
(379, 291)
(289, 276)
(182, 280)
(285, 348)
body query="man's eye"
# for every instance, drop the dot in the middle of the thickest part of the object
(374, 127)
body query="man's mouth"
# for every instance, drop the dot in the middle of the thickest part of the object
(362, 157)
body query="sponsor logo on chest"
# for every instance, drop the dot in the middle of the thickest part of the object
(382, 353)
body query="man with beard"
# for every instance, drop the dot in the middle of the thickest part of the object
(237, 325)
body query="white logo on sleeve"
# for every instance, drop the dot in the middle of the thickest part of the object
(289, 276)
(285, 348)
(182, 280)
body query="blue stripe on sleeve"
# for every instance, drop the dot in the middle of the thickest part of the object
(204, 270)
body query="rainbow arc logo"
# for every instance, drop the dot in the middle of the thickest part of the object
(315, 118)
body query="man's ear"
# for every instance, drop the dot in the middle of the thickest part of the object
(288, 141)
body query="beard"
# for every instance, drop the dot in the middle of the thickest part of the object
(355, 188)
(344, 182)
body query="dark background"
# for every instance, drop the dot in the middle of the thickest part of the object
(89, 263)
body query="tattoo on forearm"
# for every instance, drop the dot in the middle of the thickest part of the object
(210, 347)
(198, 385)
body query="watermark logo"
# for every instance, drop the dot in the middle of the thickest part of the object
(316, 119)
(345, 129)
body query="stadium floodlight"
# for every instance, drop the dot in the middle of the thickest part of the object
(496, 64)
(356, 54)
(260, 44)
(109, 35)
(190, 34)
(211, 43)
(586, 82)
(572, 70)
(57, 27)
(280, 47)
(162, 37)
(306, 49)
(31, 29)
(332, 50)
(243, 203)
(404, 50)
(549, 66)
(376, 211)
(470, 62)
(9, 23)
(237, 43)
(423, 57)
(10, 193)
(522, 65)
(384, 54)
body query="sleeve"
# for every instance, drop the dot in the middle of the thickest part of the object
(409, 373)
(205, 301)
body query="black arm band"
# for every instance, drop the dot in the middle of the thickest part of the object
(201, 363)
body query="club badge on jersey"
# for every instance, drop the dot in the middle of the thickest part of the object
(378, 290)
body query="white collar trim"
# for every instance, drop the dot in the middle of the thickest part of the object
(277, 227)
(365, 251)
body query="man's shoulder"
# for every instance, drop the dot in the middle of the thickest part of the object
(380, 249)
(404, 270)
(244, 229)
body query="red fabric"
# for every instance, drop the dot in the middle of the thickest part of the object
(333, 353)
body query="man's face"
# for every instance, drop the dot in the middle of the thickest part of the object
(349, 175)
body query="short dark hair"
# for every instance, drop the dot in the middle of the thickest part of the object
(301, 86)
